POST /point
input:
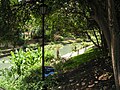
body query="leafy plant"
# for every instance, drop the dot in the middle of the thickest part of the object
(21, 61)
(25, 70)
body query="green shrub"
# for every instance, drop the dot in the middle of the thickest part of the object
(21, 61)
(25, 70)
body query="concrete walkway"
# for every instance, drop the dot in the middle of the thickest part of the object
(6, 64)
(72, 54)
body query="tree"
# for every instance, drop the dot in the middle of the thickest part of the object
(115, 42)
(12, 19)
(104, 13)
(107, 15)
(75, 14)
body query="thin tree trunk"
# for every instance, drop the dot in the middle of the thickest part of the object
(92, 40)
(99, 17)
(96, 37)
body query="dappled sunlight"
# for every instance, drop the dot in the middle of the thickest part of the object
(91, 76)
(59, 44)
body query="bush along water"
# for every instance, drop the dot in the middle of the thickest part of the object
(25, 70)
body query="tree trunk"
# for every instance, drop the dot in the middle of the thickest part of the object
(115, 53)
(115, 42)
(111, 32)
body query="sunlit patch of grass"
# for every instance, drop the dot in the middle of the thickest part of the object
(76, 61)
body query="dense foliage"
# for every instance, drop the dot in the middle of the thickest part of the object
(95, 19)
(67, 19)
(25, 70)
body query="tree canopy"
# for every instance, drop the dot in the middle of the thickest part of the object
(65, 16)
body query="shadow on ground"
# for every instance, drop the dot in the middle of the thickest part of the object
(94, 75)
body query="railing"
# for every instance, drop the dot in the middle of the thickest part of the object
(6, 52)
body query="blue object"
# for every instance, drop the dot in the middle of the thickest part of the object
(49, 71)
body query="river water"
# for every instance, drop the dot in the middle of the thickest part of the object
(62, 51)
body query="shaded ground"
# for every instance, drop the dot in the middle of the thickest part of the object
(94, 75)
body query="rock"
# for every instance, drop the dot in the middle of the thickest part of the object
(92, 85)
(77, 84)
(83, 83)
(95, 82)
(71, 80)
(103, 77)
(60, 87)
